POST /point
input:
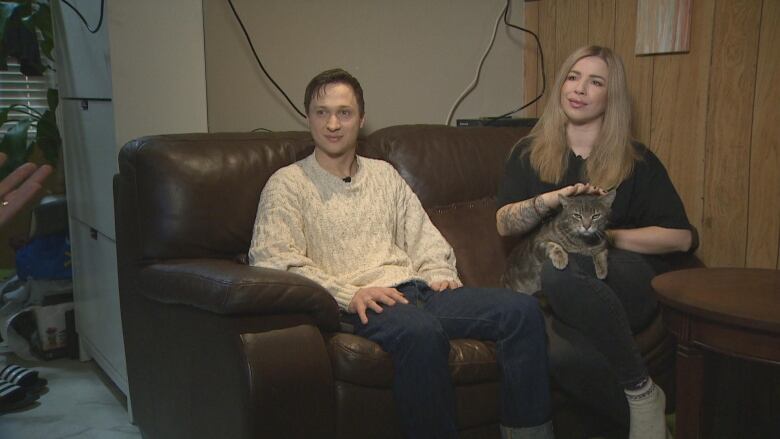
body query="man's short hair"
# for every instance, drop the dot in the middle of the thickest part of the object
(317, 85)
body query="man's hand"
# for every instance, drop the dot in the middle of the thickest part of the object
(444, 284)
(20, 187)
(371, 297)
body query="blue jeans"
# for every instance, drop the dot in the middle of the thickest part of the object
(417, 337)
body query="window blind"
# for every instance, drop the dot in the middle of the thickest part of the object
(16, 88)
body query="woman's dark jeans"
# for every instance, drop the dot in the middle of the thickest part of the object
(593, 355)
(417, 337)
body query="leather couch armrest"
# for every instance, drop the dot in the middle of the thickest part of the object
(228, 288)
(291, 390)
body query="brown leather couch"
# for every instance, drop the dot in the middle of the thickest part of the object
(219, 349)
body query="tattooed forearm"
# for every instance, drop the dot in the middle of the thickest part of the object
(521, 217)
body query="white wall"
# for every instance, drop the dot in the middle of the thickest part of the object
(158, 67)
(413, 58)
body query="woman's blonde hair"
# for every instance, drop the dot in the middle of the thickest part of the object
(612, 159)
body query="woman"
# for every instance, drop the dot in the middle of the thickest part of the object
(580, 145)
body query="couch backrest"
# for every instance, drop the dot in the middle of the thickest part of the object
(455, 172)
(196, 195)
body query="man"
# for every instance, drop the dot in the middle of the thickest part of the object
(353, 225)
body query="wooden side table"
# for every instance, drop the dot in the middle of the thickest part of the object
(730, 311)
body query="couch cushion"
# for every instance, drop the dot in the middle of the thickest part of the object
(359, 361)
(470, 228)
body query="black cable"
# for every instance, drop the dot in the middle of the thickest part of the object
(100, 23)
(249, 40)
(541, 60)
(265, 130)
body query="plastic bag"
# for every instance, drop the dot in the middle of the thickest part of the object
(45, 257)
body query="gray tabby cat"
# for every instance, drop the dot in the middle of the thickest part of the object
(579, 227)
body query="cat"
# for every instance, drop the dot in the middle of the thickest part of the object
(578, 227)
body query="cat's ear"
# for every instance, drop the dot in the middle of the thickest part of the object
(609, 197)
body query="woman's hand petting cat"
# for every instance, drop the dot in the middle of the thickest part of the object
(551, 198)
(523, 216)
(444, 284)
(371, 298)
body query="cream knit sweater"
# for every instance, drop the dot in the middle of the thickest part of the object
(346, 236)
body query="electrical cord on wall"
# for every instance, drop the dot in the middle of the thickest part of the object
(473, 84)
(84, 20)
(257, 58)
(541, 61)
(505, 15)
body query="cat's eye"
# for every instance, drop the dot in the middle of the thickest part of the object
(596, 216)
(577, 215)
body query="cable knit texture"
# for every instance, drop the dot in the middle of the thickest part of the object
(372, 231)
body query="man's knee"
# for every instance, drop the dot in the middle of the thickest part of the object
(525, 304)
(519, 307)
(423, 329)
(510, 302)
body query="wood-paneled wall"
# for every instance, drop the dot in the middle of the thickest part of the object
(711, 115)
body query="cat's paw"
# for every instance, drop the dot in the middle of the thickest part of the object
(560, 262)
(559, 257)
(600, 264)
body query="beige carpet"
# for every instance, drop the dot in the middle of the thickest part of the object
(80, 403)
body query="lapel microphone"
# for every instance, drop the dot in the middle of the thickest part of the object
(347, 179)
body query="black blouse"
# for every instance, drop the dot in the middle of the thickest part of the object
(646, 198)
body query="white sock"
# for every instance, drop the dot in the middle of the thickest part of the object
(544, 431)
(646, 407)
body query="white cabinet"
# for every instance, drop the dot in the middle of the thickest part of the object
(89, 152)
(98, 319)
(90, 161)
(84, 56)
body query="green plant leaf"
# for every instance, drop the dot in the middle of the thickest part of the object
(48, 137)
(25, 10)
(6, 10)
(30, 113)
(53, 98)
(14, 142)
(41, 20)
(15, 146)
(34, 16)
(4, 114)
